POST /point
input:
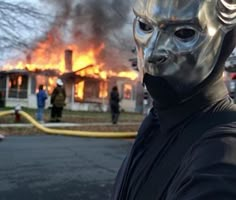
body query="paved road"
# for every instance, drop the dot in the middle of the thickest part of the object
(59, 168)
(66, 124)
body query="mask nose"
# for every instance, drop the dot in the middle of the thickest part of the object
(159, 57)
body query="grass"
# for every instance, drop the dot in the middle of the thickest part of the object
(134, 120)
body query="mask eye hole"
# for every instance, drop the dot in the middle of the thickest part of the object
(185, 34)
(144, 26)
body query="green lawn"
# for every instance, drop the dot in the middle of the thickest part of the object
(134, 119)
(80, 116)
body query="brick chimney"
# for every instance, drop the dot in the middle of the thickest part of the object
(68, 60)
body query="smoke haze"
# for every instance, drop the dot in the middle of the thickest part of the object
(89, 23)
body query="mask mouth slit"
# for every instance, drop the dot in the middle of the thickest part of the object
(157, 59)
(161, 59)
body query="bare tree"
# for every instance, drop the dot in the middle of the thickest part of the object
(19, 24)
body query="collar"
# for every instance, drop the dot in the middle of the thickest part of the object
(178, 113)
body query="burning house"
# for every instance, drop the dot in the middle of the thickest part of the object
(87, 87)
(81, 48)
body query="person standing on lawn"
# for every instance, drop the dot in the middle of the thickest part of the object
(58, 98)
(114, 104)
(41, 99)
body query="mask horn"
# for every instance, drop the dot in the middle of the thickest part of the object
(226, 11)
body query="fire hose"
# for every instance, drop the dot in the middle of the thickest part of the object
(91, 134)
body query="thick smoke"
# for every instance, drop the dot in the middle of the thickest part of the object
(93, 22)
(103, 16)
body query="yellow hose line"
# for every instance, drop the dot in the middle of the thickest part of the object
(7, 112)
(71, 132)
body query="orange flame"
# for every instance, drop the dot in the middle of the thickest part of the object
(79, 90)
(103, 90)
(50, 55)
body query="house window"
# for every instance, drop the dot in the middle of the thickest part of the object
(103, 89)
(87, 90)
(2, 90)
(2, 86)
(18, 86)
(79, 91)
(127, 91)
(91, 91)
(33, 85)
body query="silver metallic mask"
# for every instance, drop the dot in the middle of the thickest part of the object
(180, 40)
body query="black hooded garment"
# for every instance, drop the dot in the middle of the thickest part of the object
(186, 151)
(206, 169)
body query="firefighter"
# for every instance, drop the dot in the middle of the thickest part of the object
(58, 98)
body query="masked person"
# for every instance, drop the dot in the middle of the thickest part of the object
(189, 151)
